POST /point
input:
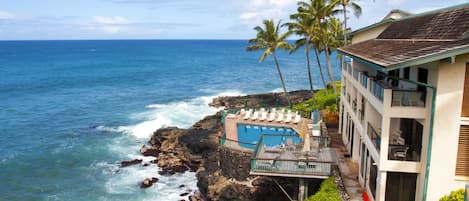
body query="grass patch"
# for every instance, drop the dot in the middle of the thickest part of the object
(327, 192)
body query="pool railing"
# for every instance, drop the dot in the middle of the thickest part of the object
(234, 144)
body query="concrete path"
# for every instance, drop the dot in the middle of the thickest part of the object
(348, 168)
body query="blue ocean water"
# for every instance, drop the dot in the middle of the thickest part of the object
(70, 111)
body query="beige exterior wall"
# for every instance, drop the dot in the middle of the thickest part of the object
(369, 34)
(450, 85)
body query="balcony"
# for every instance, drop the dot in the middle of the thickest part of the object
(405, 140)
(404, 93)
(375, 136)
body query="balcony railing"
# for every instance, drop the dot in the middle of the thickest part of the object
(402, 97)
(355, 74)
(291, 167)
(374, 136)
(377, 90)
(364, 80)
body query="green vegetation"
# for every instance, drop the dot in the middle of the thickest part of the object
(327, 192)
(324, 99)
(317, 28)
(457, 195)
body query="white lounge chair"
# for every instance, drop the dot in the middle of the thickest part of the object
(242, 111)
(280, 117)
(247, 114)
(263, 116)
(272, 116)
(297, 119)
(289, 117)
(255, 115)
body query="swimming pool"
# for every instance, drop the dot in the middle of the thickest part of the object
(251, 134)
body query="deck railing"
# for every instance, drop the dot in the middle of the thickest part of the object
(291, 167)
(324, 141)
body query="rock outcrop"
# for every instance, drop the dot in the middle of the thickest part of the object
(148, 182)
(197, 149)
(261, 100)
(130, 162)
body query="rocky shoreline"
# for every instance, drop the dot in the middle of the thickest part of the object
(197, 149)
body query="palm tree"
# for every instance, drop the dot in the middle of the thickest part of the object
(330, 32)
(357, 11)
(302, 27)
(311, 14)
(320, 11)
(269, 39)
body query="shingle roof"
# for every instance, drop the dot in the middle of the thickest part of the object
(388, 52)
(416, 37)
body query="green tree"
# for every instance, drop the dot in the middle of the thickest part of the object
(357, 11)
(269, 39)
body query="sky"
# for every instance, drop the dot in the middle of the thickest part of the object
(167, 19)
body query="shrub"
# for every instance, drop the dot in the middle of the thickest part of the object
(327, 192)
(457, 195)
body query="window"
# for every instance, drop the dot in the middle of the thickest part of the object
(462, 160)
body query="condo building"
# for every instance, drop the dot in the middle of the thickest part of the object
(404, 111)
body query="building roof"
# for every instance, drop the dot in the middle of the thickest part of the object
(387, 19)
(417, 39)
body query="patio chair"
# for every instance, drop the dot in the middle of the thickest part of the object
(400, 153)
(263, 116)
(255, 115)
(280, 117)
(247, 114)
(297, 119)
(289, 117)
(272, 116)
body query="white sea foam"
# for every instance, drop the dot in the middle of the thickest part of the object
(181, 114)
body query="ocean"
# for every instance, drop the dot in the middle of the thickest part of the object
(70, 111)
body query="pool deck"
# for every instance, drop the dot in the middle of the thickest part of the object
(301, 128)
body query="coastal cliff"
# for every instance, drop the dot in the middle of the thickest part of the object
(222, 174)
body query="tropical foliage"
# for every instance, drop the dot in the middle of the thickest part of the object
(327, 192)
(457, 195)
(318, 30)
(269, 39)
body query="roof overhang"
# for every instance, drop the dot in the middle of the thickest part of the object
(411, 62)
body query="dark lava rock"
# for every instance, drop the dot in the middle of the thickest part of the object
(184, 194)
(130, 162)
(149, 151)
(182, 186)
(148, 182)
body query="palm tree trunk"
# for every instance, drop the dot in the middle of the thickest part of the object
(309, 67)
(316, 52)
(329, 68)
(281, 78)
(345, 23)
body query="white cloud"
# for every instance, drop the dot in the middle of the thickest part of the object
(6, 15)
(116, 20)
(256, 10)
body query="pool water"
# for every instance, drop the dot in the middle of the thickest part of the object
(252, 133)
